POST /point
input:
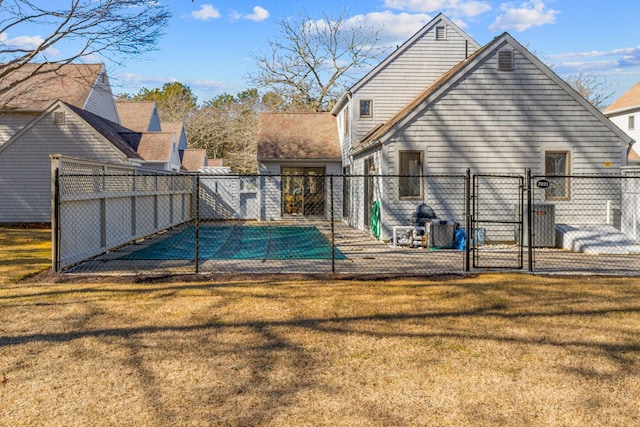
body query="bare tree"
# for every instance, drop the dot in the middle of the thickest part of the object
(310, 61)
(226, 127)
(83, 30)
(593, 87)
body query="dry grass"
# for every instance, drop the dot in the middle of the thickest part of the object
(23, 251)
(486, 350)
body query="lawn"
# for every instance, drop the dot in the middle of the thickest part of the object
(494, 349)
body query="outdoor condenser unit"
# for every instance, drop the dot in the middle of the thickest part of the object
(544, 226)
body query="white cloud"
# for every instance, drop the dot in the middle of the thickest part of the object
(27, 42)
(458, 8)
(396, 28)
(259, 14)
(206, 12)
(595, 60)
(529, 14)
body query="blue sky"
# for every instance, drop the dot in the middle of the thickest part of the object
(208, 43)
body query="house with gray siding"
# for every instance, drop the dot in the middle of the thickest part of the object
(25, 160)
(495, 109)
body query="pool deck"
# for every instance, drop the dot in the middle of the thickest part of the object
(367, 256)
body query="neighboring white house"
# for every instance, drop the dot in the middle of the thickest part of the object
(73, 113)
(25, 163)
(84, 86)
(297, 150)
(625, 113)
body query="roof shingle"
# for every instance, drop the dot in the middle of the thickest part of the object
(71, 83)
(298, 136)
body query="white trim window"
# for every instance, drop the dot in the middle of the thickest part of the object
(410, 171)
(557, 163)
(366, 108)
(632, 123)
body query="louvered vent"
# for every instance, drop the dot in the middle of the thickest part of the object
(505, 60)
(441, 33)
(58, 117)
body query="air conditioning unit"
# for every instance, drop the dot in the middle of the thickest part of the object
(544, 226)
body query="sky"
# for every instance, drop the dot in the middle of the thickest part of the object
(208, 44)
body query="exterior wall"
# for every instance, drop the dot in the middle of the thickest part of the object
(401, 80)
(271, 196)
(101, 101)
(25, 165)
(11, 123)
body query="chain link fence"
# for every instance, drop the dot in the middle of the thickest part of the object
(130, 221)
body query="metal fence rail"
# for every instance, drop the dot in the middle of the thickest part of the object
(134, 222)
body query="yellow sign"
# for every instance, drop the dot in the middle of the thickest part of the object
(607, 164)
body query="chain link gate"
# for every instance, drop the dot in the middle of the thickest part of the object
(497, 221)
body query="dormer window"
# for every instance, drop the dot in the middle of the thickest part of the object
(366, 106)
(505, 60)
(441, 32)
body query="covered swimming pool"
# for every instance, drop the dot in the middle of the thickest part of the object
(240, 242)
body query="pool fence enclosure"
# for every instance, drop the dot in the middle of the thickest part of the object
(121, 219)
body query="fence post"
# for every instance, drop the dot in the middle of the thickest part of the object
(55, 214)
(468, 222)
(529, 224)
(333, 242)
(197, 225)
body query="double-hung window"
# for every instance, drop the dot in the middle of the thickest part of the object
(410, 171)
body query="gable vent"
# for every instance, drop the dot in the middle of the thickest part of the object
(505, 60)
(441, 33)
(58, 117)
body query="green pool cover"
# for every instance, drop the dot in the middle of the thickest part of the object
(241, 242)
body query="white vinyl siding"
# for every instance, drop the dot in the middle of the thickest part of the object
(11, 123)
(401, 80)
(101, 101)
(499, 123)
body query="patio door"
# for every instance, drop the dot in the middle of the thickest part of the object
(303, 191)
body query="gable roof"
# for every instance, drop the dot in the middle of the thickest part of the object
(194, 158)
(298, 136)
(156, 146)
(71, 83)
(110, 131)
(438, 19)
(381, 132)
(174, 127)
(628, 101)
(136, 115)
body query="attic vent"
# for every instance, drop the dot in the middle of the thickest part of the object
(505, 60)
(441, 33)
(58, 117)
